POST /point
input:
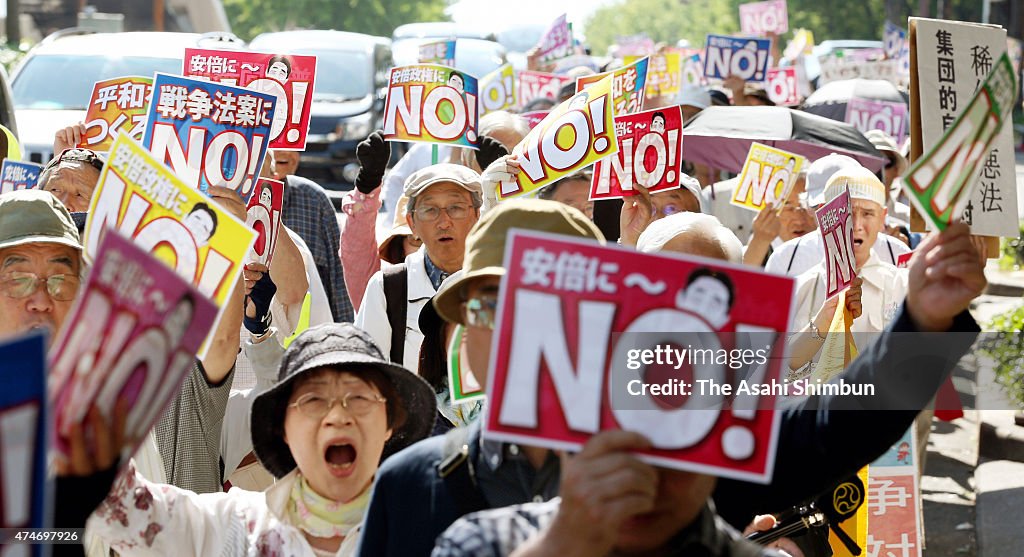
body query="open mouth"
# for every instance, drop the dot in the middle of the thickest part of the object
(445, 239)
(340, 458)
(857, 242)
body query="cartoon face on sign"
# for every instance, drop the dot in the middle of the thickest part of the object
(279, 68)
(202, 223)
(658, 122)
(264, 216)
(708, 294)
(433, 104)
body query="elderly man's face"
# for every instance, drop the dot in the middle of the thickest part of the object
(674, 201)
(681, 497)
(868, 221)
(20, 265)
(443, 236)
(72, 183)
(285, 163)
(795, 220)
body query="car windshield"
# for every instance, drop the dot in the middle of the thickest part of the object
(477, 58)
(64, 82)
(341, 75)
(521, 38)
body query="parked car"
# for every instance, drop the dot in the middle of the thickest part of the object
(54, 81)
(348, 97)
(518, 39)
(476, 52)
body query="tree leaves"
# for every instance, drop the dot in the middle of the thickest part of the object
(373, 17)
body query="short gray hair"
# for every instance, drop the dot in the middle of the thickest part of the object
(663, 230)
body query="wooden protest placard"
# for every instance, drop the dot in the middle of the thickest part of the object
(941, 183)
(575, 134)
(569, 305)
(432, 104)
(498, 89)
(209, 134)
(768, 176)
(835, 220)
(745, 58)
(17, 175)
(441, 53)
(867, 115)
(131, 336)
(142, 199)
(540, 85)
(264, 216)
(556, 42)
(783, 87)
(764, 18)
(627, 86)
(650, 154)
(462, 384)
(116, 105)
(24, 419)
(289, 78)
(952, 59)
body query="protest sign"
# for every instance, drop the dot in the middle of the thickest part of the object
(145, 201)
(432, 104)
(131, 336)
(264, 216)
(575, 134)
(893, 501)
(841, 68)
(535, 117)
(569, 305)
(288, 78)
(665, 76)
(556, 42)
(540, 85)
(801, 44)
(835, 219)
(743, 57)
(633, 45)
(209, 134)
(462, 384)
(15, 175)
(783, 87)
(25, 491)
(764, 18)
(116, 105)
(441, 53)
(768, 176)
(903, 260)
(867, 115)
(941, 184)
(627, 86)
(498, 90)
(693, 72)
(953, 58)
(650, 154)
(892, 39)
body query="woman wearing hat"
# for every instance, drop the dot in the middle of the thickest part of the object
(338, 409)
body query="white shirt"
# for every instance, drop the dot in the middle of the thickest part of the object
(733, 217)
(798, 255)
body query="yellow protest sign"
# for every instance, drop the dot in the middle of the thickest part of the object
(768, 176)
(575, 134)
(498, 89)
(141, 198)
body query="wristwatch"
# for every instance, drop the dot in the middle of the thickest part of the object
(815, 333)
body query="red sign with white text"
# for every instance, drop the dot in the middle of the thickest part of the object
(579, 325)
(650, 154)
(836, 223)
(264, 216)
(783, 88)
(534, 85)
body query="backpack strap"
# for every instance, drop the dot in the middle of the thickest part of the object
(396, 288)
(456, 469)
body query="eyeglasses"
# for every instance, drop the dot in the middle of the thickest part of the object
(457, 211)
(316, 406)
(62, 288)
(77, 154)
(480, 312)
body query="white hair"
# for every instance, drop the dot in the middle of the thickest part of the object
(661, 231)
(499, 119)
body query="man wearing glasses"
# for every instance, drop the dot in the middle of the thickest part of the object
(444, 203)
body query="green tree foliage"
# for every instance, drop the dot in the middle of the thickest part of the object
(374, 17)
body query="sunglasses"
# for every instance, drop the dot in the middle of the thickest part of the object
(76, 154)
(480, 311)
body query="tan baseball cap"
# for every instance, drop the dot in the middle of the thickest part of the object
(439, 174)
(485, 245)
(862, 183)
(35, 216)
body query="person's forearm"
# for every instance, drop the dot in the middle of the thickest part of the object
(223, 350)
(358, 251)
(288, 270)
(802, 348)
(756, 251)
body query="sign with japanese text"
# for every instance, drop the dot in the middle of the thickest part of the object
(264, 216)
(498, 89)
(634, 45)
(893, 39)
(432, 104)
(650, 154)
(24, 420)
(764, 18)
(841, 68)
(131, 336)
(575, 134)
(556, 42)
(462, 383)
(835, 219)
(569, 305)
(627, 86)
(743, 57)
(116, 105)
(768, 176)
(783, 88)
(209, 134)
(893, 501)
(540, 85)
(953, 59)
(663, 73)
(535, 117)
(867, 115)
(441, 53)
(942, 183)
(288, 78)
(16, 175)
(140, 198)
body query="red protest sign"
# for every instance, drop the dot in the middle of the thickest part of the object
(650, 154)
(540, 85)
(836, 223)
(535, 117)
(783, 88)
(574, 356)
(903, 260)
(264, 216)
(289, 77)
